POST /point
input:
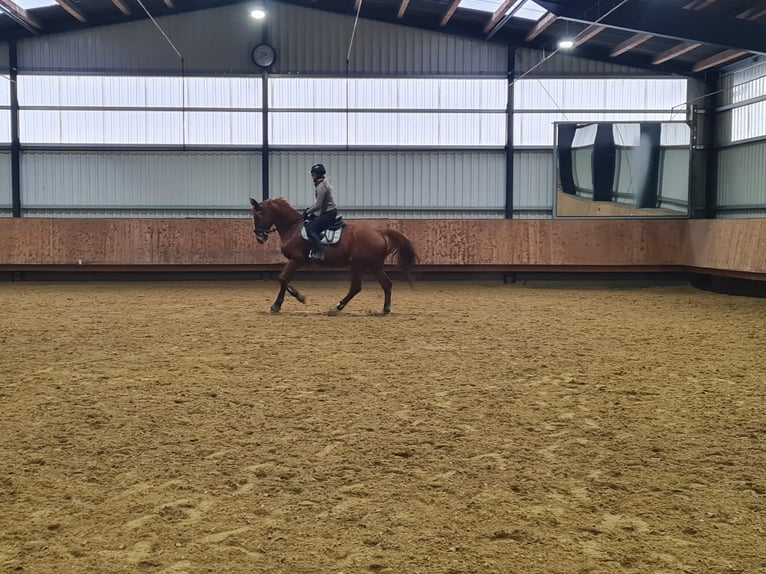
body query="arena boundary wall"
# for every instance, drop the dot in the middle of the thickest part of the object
(705, 248)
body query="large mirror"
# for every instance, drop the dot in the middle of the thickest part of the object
(622, 169)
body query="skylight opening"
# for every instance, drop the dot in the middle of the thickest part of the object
(530, 10)
(32, 4)
(522, 9)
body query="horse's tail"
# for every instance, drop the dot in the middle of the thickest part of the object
(402, 247)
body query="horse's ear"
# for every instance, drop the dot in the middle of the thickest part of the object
(254, 203)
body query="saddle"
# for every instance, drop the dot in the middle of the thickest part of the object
(330, 235)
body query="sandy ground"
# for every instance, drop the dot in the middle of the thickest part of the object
(480, 428)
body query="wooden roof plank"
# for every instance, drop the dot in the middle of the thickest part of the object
(121, 7)
(450, 12)
(495, 19)
(402, 8)
(718, 60)
(587, 34)
(541, 25)
(675, 52)
(629, 44)
(72, 10)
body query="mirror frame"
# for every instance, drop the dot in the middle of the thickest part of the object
(680, 215)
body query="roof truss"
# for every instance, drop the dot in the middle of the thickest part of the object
(692, 25)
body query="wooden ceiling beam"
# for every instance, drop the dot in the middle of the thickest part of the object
(629, 44)
(495, 19)
(402, 8)
(72, 10)
(698, 5)
(121, 7)
(753, 13)
(541, 26)
(587, 34)
(450, 12)
(20, 15)
(675, 52)
(718, 60)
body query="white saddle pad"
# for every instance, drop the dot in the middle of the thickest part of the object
(327, 237)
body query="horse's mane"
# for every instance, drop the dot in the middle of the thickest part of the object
(280, 203)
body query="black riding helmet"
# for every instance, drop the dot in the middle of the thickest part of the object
(318, 169)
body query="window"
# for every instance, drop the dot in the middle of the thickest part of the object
(387, 112)
(5, 110)
(127, 110)
(540, 103)
(747, 87)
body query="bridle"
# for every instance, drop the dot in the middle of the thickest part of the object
(262, 235)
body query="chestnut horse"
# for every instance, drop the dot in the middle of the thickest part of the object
(361, 247)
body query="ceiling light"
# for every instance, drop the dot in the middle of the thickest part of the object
(566, 45)
(258, 14)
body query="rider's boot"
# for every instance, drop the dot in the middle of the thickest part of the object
(316, 252)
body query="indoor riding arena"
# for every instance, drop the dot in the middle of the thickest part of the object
(571, 378)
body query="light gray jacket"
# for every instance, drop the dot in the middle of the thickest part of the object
(324, 199)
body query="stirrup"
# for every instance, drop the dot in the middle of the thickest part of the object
(318, 255)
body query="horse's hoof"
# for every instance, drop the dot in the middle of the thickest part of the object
(275, 308)
(386, 309)
(301, 299)
(332, 312)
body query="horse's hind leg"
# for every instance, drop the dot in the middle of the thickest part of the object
(385, 282)
(284, 282)
(294, 292)
(356, 286)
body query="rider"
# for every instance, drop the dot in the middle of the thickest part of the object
(324, 206)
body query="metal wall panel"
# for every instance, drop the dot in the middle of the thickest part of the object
(744, 84)
(372, 181)
(743, 214)
(243, 213)
(563, 65)
(168, 180)
(674, 178)
(742, 175)
(533, 214)
(139, 47)
(4, 65)
(303, 39)
(423, 214)
(533, 180)
(306, 40)
(6, 194)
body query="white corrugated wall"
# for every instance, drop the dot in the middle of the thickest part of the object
(374, 184)
(533, 181)
(742, 137)
(6, 196)
(123, 182)
(742, 180)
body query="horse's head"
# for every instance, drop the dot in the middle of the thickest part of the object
(262, 221)
(273, 213)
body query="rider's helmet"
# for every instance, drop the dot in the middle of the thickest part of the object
(318, 170)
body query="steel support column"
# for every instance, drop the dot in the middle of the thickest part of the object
(509, 144)
(265, 142)
(15, 146)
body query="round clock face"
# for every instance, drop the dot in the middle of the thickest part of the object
(264, 55)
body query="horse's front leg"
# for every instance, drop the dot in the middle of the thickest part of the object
(356, 287)
(284, 282)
